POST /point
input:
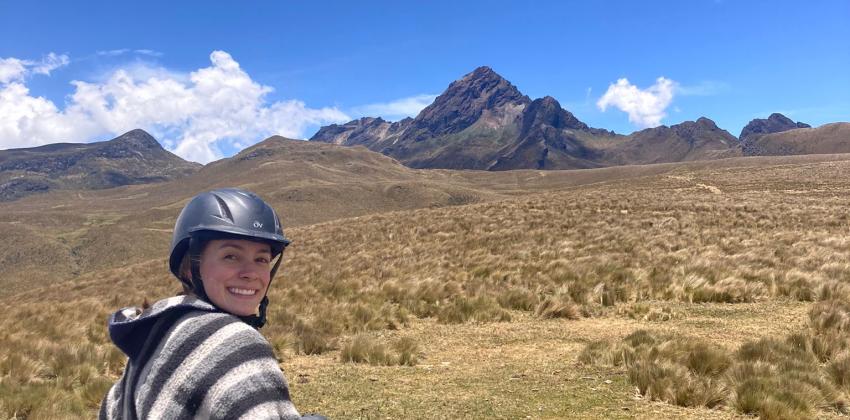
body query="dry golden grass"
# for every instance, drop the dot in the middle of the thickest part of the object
(801, 375)
(500, 296)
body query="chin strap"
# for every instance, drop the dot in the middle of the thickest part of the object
(195, 283)
(258, 321)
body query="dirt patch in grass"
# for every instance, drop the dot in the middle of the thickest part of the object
(526, 368)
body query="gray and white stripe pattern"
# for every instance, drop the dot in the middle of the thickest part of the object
(207, 365)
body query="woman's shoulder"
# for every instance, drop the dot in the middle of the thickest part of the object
(211, 364)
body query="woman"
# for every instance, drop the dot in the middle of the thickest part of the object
(200, 355)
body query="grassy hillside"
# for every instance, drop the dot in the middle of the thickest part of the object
(512, 301)
(828, 138)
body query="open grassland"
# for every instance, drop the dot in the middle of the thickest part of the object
(683, 294)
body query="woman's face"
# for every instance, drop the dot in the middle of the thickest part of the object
(235, 273)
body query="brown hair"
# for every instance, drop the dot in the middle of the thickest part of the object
(185, 271)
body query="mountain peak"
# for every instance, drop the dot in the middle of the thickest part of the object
(706, 122)
(548, 100)
(137, 139)
(779, 118)
(482, 72)
(547, 111)
(775, 123)
(701, 125)
(483, 85)
(463, 102)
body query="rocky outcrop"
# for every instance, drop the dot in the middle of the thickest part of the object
(775, 123)
(360, 132)
(759, 127)
(547, 139)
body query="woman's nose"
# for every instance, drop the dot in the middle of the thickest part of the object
(249, 272)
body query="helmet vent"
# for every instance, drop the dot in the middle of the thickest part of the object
(223, 209)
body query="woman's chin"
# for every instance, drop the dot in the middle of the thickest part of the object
(244, 312)
(239, 308)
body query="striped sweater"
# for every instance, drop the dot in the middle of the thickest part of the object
(189, 360)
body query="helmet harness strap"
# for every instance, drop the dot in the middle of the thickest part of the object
(195, 249)
(258, 321)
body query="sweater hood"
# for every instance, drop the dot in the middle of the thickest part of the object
(129, 328)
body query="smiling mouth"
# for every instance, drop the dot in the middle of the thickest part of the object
(242, 292)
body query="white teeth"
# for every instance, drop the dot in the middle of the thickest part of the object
(245, 292)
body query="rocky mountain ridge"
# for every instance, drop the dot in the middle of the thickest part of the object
(759, 127)
(775, 123)
(134, 157)
(482, 121)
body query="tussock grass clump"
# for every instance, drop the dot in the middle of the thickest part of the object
(798, 285)
(839, 371)
(830, 316)
(776, 399)
(790, 378)
(476, 309)
(313, 340)
(779, 379)
(408, 350)
(832, 290)
(644, 311)
(596, 352)
(560, 306)
(363, 348)
(697, 289)
(518, 298)
(677, 370)
(683, 372)
(671, 382)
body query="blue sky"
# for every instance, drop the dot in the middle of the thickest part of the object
(208, 78)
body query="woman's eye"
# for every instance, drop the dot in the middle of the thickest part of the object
(263, 260)
(230, 257)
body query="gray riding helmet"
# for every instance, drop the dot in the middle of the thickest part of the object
(224, 213)
(230, 211)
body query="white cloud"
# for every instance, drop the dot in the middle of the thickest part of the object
(15, 70)
(645, 107)
(704, 88)
(11, 69)
(151, 53)
(113, 53)
(49, 63)
(397, 109)
(122, 51)
(191, 114)
(30, 121)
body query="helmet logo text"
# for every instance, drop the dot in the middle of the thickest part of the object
(258, 225)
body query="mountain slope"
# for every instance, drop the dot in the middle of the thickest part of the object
(826, 139)
(132, 158)
(775, 123)
(687, 141)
